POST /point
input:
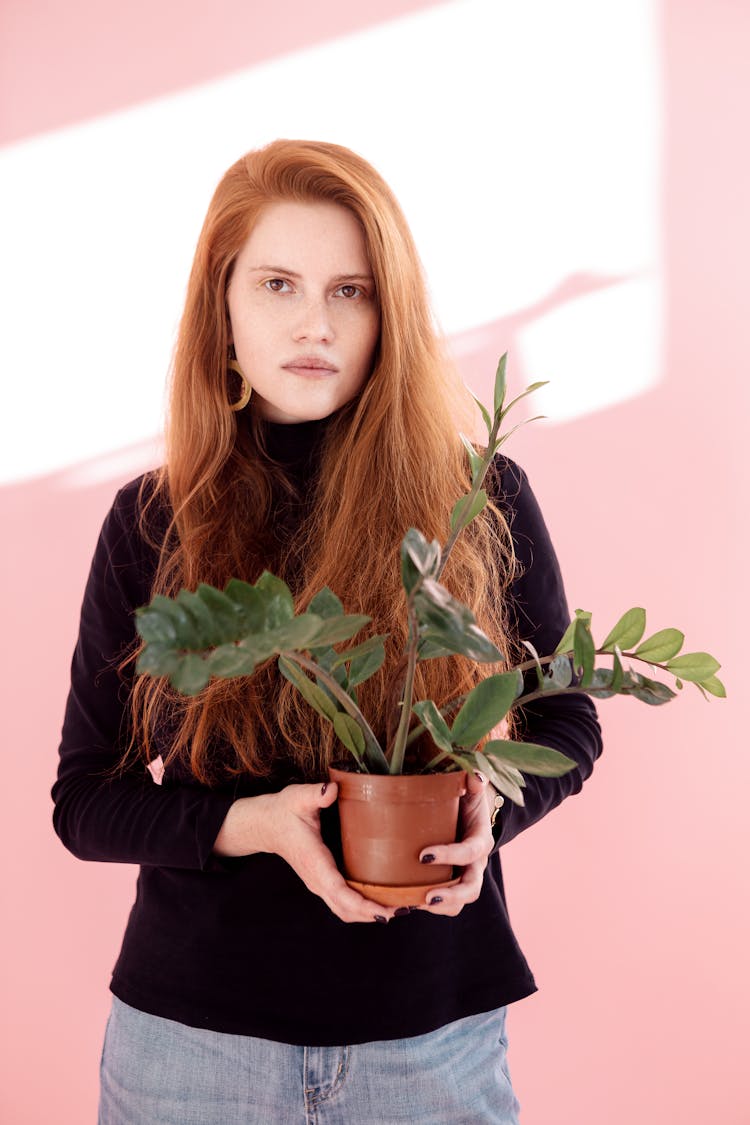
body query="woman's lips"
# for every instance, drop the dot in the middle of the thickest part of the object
(302, 369)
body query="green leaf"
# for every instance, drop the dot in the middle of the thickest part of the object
(485, 706)
(617, 671)
(714, 685)
(465, 761)
(647, 691)
(529, 390)
(228, 660)
(560, 671)
(419, 559)
(259, 646)
(484, 411)
(600, 686)
(537, 661)
(508, 780)
(530, 758)
(431, 650)
(223, 611)
(475, 460)
(249, 605)
(277, 598)
(312, 693)
(362, 667)
(500, 383)
(584, 653)
(154, 625)
(452, 624)
(336, 629)
(433, 721)
(565, 644)
(326, 657)
(296, 634)
(350, 733)
(207, 627)
(157, 659)
(189, 635)
(662, 646)
(191, 675)
(504, 777)
(504, 437)
(478, 504)
(696, 667)
(486, 766)
(362, 649)
(325, 604)
(627, 632)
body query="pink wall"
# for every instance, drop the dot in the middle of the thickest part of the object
(631, 901)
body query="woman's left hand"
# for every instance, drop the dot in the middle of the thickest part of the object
(471, 852)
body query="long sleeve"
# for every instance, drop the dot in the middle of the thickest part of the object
(540, 614)
(128, 818)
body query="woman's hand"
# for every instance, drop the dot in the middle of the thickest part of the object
(470, 853)
(288, 824)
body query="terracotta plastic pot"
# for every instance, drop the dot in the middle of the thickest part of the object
(386, 821)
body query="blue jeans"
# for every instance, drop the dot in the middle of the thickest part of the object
(158, 1072)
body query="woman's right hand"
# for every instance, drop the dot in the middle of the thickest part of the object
(288, 824)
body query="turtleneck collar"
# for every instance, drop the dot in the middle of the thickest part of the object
(291, 444)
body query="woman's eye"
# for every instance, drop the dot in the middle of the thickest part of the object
(349, 291)
(276, 285)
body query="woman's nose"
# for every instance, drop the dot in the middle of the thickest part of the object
(314, 322)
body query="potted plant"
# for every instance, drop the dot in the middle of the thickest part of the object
(392, 803)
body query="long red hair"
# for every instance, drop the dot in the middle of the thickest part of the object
(217, 482)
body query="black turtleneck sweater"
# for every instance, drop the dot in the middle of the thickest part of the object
(241, 945)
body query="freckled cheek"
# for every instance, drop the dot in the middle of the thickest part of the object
(359, 324)
(259, 326)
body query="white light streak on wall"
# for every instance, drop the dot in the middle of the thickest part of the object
(521, 138)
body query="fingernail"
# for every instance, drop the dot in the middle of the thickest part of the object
(379, 918)
(429, 858)
(480, 776)
(323, 789)
(401, 910)
(434, 901)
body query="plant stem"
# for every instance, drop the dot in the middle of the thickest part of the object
(399, 746)
(434, 761)
(523, 699)
(525, 667)
(469, 499)
(373, 749)
(529, 664)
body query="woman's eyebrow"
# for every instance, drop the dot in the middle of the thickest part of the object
(291, 273)
(274, 269)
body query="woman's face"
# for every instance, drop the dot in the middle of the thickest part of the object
(303, 313)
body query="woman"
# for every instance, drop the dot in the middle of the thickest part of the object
(312, 421)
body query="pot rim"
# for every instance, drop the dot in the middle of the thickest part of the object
(399, 786)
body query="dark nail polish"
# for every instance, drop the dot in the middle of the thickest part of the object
(323, 789)
(379, 918)
(429, 858)
(401, 910)
(434, 901)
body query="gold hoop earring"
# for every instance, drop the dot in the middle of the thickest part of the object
(247, 390)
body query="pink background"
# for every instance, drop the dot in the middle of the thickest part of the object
(631, 902)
